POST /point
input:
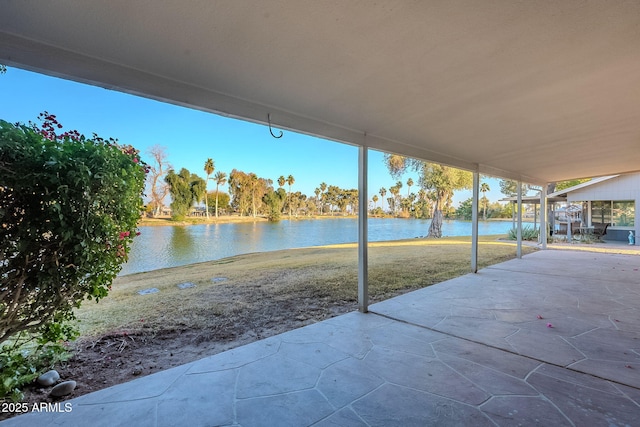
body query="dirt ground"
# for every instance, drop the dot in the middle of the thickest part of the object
(117, 358)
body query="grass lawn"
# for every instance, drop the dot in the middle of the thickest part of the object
(263, 290)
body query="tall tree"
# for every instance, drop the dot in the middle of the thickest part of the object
(186, 190)
(317, 193)
(247, 190)
(254, 183)
(440, 180)
(323, 189)
(394, 190)
(484, 187)
(562, 185)
(281, 181)
(157, 169)
(409, 185)
(240, 191)
(375, 201)
(383, 192)
(209, 167)
(221, 179)
(290, 181)
(274, 200)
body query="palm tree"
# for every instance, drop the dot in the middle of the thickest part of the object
(483, 189)
(317, 193)
(395, 190)
(375, 201)
(383, 192)
(221, 179)
(409, 184)
(209, 167)
(253, 179)
(290, 181)
(323, 188)
(281, 181)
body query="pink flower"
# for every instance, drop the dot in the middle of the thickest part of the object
(549, 325)
(539, 317)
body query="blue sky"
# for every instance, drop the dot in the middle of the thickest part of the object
(191, 136)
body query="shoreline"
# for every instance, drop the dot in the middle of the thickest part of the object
(229, 219)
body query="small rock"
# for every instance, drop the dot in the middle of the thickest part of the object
(48, 378)
(63, 389)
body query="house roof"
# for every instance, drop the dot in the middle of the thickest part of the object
(563, 193)
(535, 91)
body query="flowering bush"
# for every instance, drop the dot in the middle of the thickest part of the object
(69, 206)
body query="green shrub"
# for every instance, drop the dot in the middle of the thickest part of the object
(528, 233)
(22, 362)
(69, 208)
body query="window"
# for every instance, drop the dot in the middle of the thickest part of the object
(619, 213)
(623, 213)
(601, 212)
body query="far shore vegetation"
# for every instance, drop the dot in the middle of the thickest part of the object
(259, 198)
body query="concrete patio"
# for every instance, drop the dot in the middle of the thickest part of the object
(551, 339)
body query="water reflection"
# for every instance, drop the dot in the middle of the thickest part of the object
(182, 244)
(160, 247)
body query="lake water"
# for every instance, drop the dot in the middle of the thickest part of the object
(171, 246)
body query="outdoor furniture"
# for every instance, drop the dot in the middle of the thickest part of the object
(600, 229)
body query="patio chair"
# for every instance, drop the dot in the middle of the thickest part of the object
(600, 229)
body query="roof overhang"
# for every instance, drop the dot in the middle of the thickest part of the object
(533, 91)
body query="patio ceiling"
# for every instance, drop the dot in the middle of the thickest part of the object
(537, 91)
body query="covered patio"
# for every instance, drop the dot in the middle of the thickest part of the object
(549, 339)
(491, 87)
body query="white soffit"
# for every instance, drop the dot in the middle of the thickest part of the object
(537, 91)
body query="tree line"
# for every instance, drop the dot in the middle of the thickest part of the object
(251, 195)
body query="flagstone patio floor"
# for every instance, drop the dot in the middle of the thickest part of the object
(552, 339)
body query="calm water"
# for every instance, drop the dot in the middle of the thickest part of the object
(171, 246)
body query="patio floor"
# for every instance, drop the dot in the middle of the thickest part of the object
(469, 351)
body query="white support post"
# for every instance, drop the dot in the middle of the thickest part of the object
(474, 222)
(519, 232)
(363, 256)
(544, 234)
(636, 232)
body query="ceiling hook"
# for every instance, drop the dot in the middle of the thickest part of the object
(271, 130)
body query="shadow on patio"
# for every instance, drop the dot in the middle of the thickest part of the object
(550, 339)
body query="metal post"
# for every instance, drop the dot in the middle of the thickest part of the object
(474, 222)
(363, 256)
(543, 217)
(519, 232)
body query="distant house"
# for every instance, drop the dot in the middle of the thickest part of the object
(609, 199)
